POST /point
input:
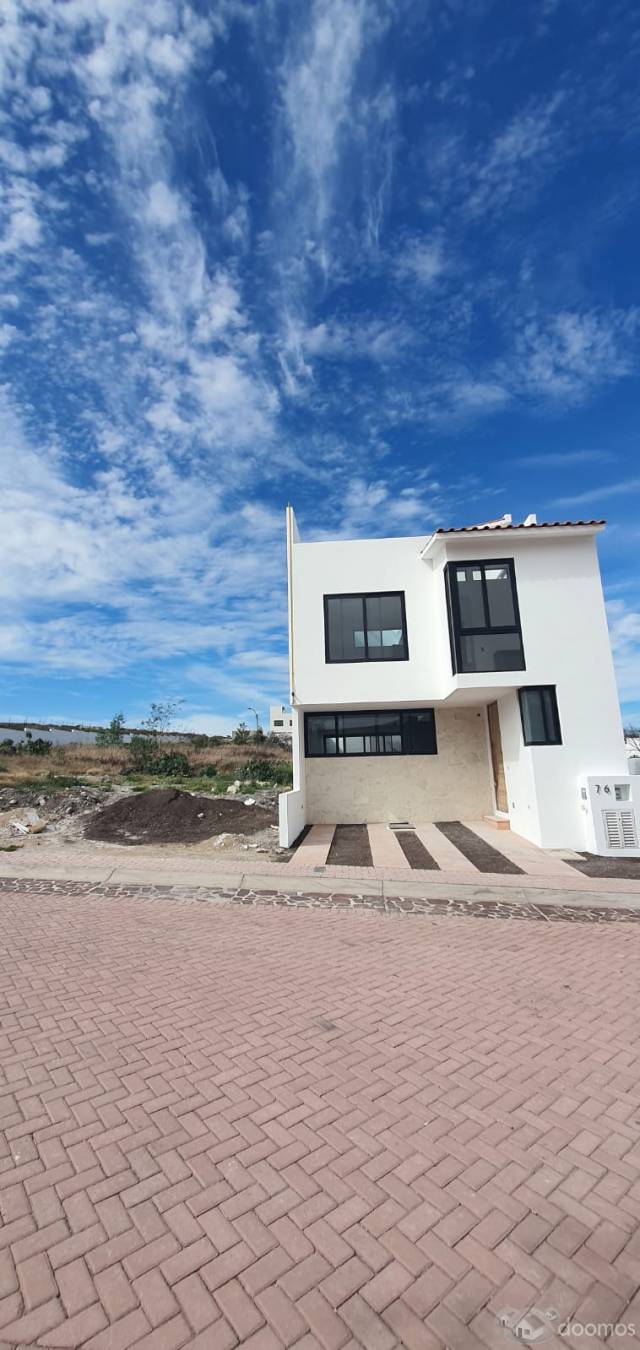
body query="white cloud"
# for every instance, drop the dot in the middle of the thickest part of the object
(564, 459)
(624, 628)
(373, 339)
(317, 88)
(564, 356)
(207, 724)
(163, 206)
(478, 395)
(626, 487)
(516, 157)
(422, 260)
(330, 122)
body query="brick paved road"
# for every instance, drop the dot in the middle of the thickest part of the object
(281, 1127)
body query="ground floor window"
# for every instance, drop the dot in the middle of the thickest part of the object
(539, 713)
(407, 732)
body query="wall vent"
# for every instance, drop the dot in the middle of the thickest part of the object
(620, 829)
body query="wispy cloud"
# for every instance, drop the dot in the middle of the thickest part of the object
(517, 157)
(332, 123)
(624, 628)
(564, 356)
(258, 251)
(564, 459)
(600, 492)
(422, 260)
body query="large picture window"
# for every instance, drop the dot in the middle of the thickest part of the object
(370, 627)
(539, 713)
(410, 732)
(484, 620)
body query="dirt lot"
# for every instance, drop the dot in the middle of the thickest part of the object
(90, 818)
(167, 816)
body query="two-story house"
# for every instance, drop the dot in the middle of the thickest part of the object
(460, 675)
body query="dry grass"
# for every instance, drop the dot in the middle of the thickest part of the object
(99, 762)
(235, 754)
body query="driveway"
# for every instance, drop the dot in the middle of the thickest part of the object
(234, 1124)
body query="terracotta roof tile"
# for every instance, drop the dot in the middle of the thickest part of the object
(502, 529)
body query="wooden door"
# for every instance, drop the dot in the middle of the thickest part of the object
(497, 761)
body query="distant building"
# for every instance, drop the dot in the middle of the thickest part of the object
(280, 720)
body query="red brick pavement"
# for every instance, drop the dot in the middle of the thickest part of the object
(274, 1128)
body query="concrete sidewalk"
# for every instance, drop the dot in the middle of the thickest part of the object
(120, 866)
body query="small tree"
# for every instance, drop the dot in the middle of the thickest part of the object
(161, 715)
(259, 736)
(111, 735)
(632, 736)
(241, 735)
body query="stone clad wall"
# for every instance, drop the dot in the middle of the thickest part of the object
(455, 784)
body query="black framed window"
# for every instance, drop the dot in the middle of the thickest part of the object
(411, 731)
(484, 619)
(539, 714)
(369, 627)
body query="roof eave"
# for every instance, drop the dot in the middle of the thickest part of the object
(542, 531)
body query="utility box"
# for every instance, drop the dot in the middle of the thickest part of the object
(611, 807)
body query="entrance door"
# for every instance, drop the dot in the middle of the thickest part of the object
(497, 761)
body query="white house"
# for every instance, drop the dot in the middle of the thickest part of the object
(280, 720)
(459, 675)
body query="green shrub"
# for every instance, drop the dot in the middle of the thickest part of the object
(172, 765)
(111, 735)
(268, 770)
(8, 747)
(143, 751)
(38, 747)
(209, 771)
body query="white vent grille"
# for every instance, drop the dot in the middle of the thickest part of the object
(620, 829)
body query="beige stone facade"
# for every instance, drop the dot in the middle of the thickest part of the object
(455, 784)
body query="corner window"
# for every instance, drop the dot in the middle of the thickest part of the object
(369, 627)
(484, 621)
(539, 713)
(409, 732)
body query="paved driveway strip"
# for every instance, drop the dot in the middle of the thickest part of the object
(271, 1126)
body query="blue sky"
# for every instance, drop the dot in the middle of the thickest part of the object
(375, 257)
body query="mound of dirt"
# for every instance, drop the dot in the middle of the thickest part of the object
(167, 816)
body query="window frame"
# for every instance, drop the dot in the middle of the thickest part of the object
(557, 728)
(364, 595)
(401, 713)
(457, 632)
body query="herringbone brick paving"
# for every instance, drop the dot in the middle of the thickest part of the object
(285, 1127)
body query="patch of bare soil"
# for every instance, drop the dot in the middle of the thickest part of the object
(591, 865)
(52, 804)
(350, 847)
(168, 816)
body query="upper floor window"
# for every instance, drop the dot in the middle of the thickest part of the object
(484, 619)
(539, 713)
(370, 627)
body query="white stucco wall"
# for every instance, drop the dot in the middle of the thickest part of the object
(454, 784)
(364, 565)
(566, 644)
(291, 817)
